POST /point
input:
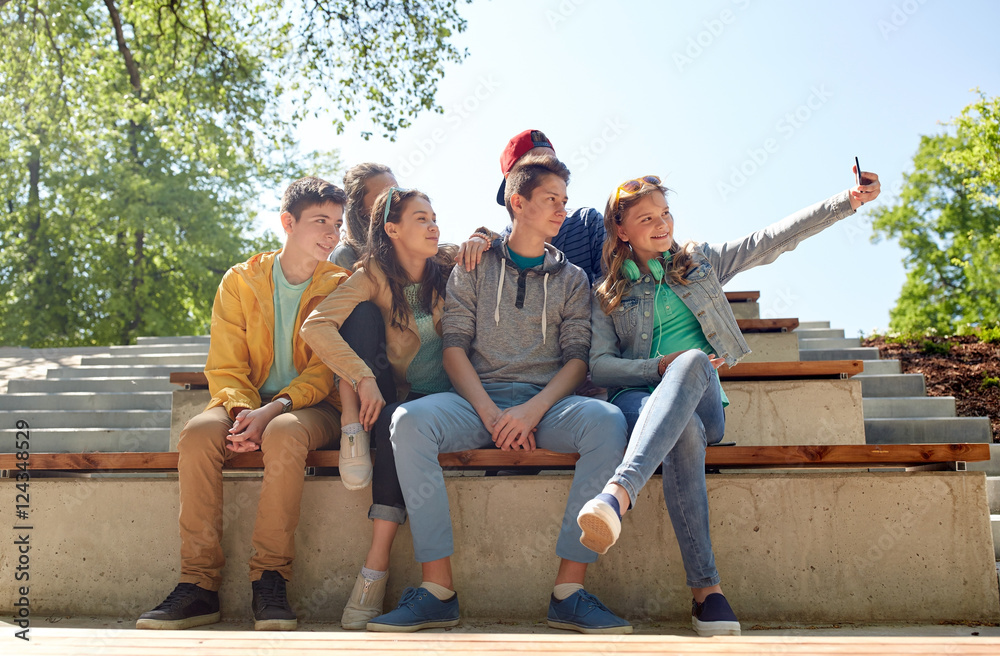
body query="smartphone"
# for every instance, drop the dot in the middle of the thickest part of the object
(857, 167)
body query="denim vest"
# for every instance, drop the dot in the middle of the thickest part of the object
(621, 343)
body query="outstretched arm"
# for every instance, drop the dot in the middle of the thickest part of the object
(764, 246)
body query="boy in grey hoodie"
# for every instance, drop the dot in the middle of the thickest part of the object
(516, 344)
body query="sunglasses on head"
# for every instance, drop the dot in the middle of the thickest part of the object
(632, 186)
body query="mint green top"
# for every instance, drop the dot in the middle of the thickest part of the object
(677, 329)
(286, 308)
(426, 371)
(525, 262)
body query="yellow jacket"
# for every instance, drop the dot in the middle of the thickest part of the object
(242, 347)
(322, 328)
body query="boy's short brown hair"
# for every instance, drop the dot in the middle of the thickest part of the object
(528, 174)
(309, 191)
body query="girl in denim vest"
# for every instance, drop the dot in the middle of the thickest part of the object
(661, 329)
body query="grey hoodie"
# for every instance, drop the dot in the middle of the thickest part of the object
(518, 326)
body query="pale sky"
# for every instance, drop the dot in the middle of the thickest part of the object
(748, 111)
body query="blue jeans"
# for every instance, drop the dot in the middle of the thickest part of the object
(673, 425)
(442, 423)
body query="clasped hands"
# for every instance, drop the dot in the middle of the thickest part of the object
(248, 427)
(514, 428)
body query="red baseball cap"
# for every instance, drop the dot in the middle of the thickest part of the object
(515, 150)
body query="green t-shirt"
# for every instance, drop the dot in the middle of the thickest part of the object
(525, 262)
(426, 373)
(286, 309)
(675, 328)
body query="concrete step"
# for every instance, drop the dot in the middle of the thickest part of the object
(813, 324)
(830, 343)
(157, 349)
(80, 440)
(892, 385)
(86, 401)
(995, 525)
(88, 419)
(991, 466)
(57, 385)
(928, 430)
(908, 406)
(880, 367)
(155, 359)
(49, 353)
(860, 353)
(189, 339)
(819, 333)
(993, 493)
(120, 371)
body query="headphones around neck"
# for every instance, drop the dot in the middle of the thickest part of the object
(631, 270)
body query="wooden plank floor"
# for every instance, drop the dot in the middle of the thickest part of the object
(70, 642)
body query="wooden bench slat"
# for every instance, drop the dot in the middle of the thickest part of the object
(193, 379)
(735, 456)
(792, 370)
(767, 325)
(742, 297)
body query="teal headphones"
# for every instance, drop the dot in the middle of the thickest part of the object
(631, 270)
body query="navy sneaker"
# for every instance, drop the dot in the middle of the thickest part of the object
(714, 617)
(271, 610)
(583, 612)
(418, 609)
(185, 607)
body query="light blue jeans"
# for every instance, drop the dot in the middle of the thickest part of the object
(673, 425)
(442, 423)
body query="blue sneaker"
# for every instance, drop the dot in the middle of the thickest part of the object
(418, 609)
(714, 617)
(583, 612)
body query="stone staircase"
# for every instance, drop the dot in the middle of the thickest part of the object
(112, 399)
(119, 398)
(896, 407)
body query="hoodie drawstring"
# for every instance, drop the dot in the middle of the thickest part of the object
(545, 303)
(496, 312)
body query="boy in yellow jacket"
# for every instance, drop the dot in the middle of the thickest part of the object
(269, 392)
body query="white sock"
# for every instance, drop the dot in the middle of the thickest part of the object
(351, 429)
(564, 590)
(373, 574)
(439, 591)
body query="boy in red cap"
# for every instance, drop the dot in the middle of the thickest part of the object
(581, 237)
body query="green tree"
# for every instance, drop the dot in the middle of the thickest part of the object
(136, 137)
(978, 127)
(952, 234)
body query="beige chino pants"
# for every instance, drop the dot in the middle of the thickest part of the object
(202, 447)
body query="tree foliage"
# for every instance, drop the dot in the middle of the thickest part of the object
(948, 220)
(978, 126)
(135, 137)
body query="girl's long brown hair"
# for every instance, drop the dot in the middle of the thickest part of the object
(615, 252)
(379, 250)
